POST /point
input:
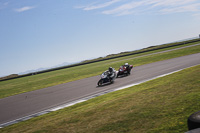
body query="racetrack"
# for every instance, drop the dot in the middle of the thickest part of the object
(21, 105)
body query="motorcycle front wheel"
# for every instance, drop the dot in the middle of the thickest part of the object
(100, 83)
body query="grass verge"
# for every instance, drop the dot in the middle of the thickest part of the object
(26, 84)
(160, 105)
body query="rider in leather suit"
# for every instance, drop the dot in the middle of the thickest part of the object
(128, 67)
(111, 73)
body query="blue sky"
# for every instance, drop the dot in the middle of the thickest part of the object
(35, 34)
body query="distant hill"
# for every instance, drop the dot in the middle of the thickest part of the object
(41, 69)
(9, 76)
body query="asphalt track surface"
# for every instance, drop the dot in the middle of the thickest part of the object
(18, 106)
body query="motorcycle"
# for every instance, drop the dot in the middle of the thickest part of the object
(105, 79)
(124, 71)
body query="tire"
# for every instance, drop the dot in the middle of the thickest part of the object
(194, 121)
(100, 82)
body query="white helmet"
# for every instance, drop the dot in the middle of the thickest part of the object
(126, 64)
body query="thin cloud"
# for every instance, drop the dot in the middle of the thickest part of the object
(147, 6)
(196, 15)
(3, 5)
(124, 9)
(26, 8)
(170, 2)
(187, 8)
(173, 6)
(103, 5)
(6, 3)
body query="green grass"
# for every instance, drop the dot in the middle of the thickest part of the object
(158, 106)
(26, 84)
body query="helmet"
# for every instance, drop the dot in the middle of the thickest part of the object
(110, 69)
(126, 64)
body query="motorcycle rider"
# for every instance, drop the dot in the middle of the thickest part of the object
(111, 73)
(128, 67)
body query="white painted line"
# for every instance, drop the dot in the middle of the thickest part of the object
(127, 86)
(82, 100)
(66, 105)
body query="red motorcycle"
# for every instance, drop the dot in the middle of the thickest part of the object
(124, 70)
